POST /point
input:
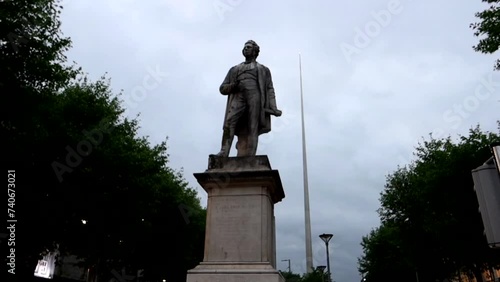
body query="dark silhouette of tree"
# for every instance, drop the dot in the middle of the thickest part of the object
(488, 29)
(430, 225)
(85, 181)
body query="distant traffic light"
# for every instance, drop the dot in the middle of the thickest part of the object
(487, 186)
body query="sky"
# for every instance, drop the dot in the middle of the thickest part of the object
(378, 77)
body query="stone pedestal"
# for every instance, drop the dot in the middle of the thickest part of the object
(240, 238)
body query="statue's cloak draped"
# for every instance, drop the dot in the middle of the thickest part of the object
(266, 90)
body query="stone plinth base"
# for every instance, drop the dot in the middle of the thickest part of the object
(240, 231)
(234, 272)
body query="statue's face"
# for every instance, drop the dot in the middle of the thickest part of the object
(248, 50)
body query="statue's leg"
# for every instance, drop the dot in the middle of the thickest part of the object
(242, 145)
(235, 111)
(253, 103)
(227, 140)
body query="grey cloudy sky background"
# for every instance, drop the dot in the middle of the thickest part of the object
(413, 73)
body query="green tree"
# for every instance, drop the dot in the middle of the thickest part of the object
(291, 277)
(488, 28)
(384, 255)
(428, 209)
(77, 158)
(33, 70)
(315, 276)
(139, 213)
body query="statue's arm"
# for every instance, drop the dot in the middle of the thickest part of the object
(270, 87)
(227, 87)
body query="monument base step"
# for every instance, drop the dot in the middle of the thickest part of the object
(234, 272)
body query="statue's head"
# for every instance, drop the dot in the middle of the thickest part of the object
(251, 49)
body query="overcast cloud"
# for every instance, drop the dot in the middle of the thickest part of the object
(368, 98)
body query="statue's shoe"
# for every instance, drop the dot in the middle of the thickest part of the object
(222, 154)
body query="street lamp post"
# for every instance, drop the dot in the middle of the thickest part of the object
(289, 268)
(326, 238)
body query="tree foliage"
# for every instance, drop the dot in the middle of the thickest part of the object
(430, 225)
(314, 276)
(488, 28)
(139, 212)
(79, 160)
(291, 277)
(32, 72)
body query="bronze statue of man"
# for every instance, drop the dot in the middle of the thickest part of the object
(250, 104)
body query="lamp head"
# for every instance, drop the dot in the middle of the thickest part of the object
(326, 237)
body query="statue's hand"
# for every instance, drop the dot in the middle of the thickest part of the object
(236, 86)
